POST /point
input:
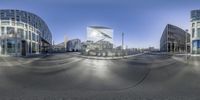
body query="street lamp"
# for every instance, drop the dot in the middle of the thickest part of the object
(186, 43)
(122, 43)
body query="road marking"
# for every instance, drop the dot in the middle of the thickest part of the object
(56, 66)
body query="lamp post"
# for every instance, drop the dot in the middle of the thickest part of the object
(122, 43)
(186, 47)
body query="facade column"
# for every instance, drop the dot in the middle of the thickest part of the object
(5, 41)
(15, 34)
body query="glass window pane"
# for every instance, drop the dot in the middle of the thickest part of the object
(10, 30)
(2, 30)
(193, 24)
(193, 30)
(5, 22)
(10, 46)
(198, 23)
(29, 45)
(33, 48)
(26, 34)
(20, 32)
(198, 44)
(33, 36)
(198, 32)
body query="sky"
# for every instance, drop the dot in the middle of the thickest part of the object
(142, 21)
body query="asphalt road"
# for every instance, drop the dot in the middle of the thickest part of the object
(70, 77)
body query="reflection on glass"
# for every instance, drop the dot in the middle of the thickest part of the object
(10, 46)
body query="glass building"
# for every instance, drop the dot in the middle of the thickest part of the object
(195, 31)
(74, 45)
(23, 33)
(173, 40)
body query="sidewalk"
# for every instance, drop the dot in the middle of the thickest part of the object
(10, 60)
(109, 58)
(192, 60)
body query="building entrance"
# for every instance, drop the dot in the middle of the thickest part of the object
(23, 52)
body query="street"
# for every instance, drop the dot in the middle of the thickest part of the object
(71, 77)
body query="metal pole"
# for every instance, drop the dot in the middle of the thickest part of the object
(186, 47)
(122, 43)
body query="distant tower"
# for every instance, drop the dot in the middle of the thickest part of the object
(65, 42)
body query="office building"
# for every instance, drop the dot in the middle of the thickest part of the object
(23, 33)
(99, 33)
(74, 45)
(173, 40)
(100, 37)
(195, 32)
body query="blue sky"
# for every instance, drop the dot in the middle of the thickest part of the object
(142, 21)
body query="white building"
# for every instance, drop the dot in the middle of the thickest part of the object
(195, 31)
(99, 33)
(101, 38)
(74, 45)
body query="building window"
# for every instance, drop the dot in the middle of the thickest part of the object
(33, 37)
(198, 32)
(18, 18)
(29, 35)
(196, 47)
(10, 46)
(2, 14)
(5, 22)
(26, 34)
(33, 48)
(2, 30)
(10, 30)
(13, 23)
(37, 38)
(198, 23)
(193, 24)
(20, 24)
(193, 30)
(21, 33)
(26, 26)
(29, 47)
(13, 19)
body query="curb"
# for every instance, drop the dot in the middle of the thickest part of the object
(109, 58)
(48, 69)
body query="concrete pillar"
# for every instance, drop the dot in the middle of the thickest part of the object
(16, 36)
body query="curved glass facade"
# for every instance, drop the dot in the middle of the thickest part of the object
(23, 33)
(173, 40)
